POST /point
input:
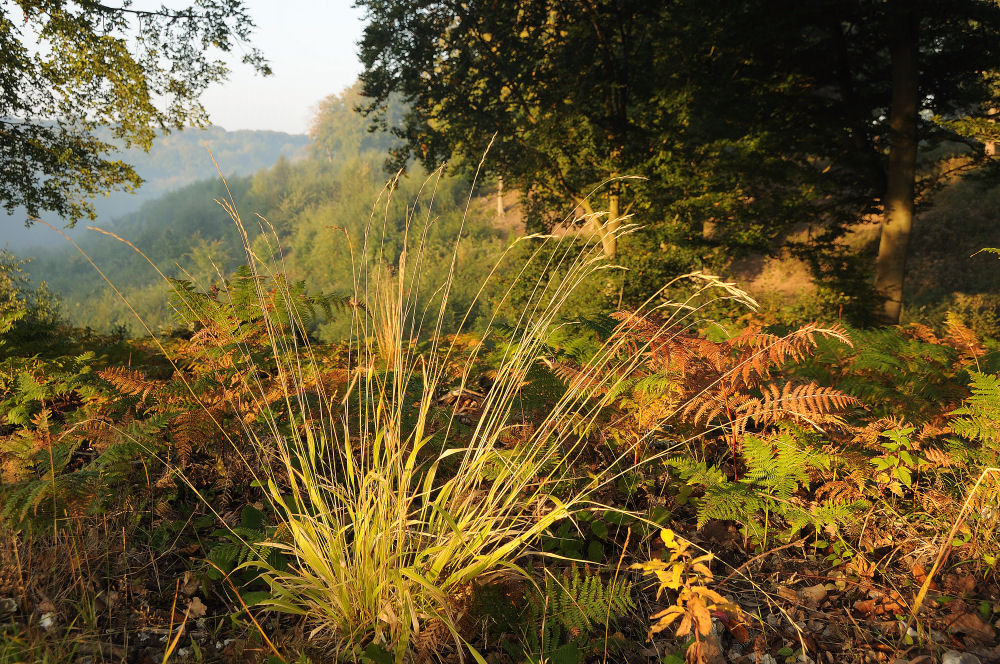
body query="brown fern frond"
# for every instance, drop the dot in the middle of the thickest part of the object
(807, 401)
(936, 501)
(190, 430)
(870, 435)
(42, 421)
(702, 408)
(938, 458)
(837, 492)
(763, 352)
(567, 373)
(921, 332)
(962, 338)
(131, 382)
(100, 432)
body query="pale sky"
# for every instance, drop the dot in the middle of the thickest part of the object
(312, 48)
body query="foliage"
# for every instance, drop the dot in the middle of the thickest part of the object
(979, 418)
(387, 533)
(765, 498)
(318, 212)
(86, 72)
(727, 386)
(653, 95)
(688, 576)
(82, 421)
(561, 622)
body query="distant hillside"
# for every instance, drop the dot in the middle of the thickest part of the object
(176, 160)
(314, 205)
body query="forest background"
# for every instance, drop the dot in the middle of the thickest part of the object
(225, 402)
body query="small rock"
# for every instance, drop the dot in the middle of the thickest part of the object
(955, 657)
(183, 652)
(814, 595)
(989, 655)
(8, 607)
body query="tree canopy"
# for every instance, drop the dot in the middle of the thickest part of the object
(746, 119)
(68, 67)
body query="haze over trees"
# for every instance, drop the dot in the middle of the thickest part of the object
(335, 184)
(173, 161)
(71, 67)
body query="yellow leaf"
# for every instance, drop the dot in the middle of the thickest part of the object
(703, 570)
(702, 618)
(685, 625)
(709, 593)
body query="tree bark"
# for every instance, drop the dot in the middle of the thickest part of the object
(500, 210)
(897, 221)
(609, 237)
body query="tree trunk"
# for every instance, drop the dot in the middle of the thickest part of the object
(609, 237)
(500, 210)
(897, 222)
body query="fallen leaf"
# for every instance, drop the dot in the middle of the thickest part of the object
(814, 595)
(196, 609)
(189, 586)
(865, 606)
(974, 627)
(740, 633)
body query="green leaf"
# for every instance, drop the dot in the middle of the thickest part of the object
(904, 476)
(254, 597)
(567, 654)
(252, 518)
(376, 653)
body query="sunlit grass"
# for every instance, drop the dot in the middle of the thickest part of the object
(387, 532)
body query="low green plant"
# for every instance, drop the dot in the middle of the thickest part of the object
(979, 419)
(899, 461)
(569, 610)
(764, 499)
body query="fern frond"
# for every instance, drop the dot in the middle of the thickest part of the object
(808, 401)
(130, 381)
